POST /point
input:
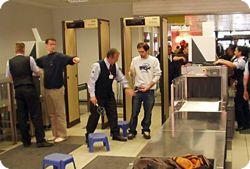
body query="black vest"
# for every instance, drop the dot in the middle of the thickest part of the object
(103, 86)
(238, 75)
(20, 71)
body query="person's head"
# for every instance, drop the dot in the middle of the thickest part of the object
(183, 43)
(113, 56)
(169, 49)
(230, 50)
(185, 50)
(20, 48)
(239, 51)
(50, 45)
(143, 49)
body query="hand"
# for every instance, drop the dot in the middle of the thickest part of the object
(184, 59)
(93, 100)
(246, 95)
(219, 61)
(129, 92)
(144, 89)
(76, 60)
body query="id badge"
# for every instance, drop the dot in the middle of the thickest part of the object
(111, 76)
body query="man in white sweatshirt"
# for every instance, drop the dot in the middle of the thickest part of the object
(146, 72)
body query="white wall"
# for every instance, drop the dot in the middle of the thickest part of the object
(16, 23)
(112, 12)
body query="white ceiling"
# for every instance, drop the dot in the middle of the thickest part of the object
(64, 3)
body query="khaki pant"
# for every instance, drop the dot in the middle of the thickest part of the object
(56, 109)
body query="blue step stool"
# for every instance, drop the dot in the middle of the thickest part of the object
(98, 137)
(124, 125)
(58, 161)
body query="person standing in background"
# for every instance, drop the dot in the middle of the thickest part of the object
(241, 105)
(179, 60)
(20, 70)
(54, 65)
(146, 72)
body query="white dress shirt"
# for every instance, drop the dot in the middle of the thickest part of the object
(94, 75)
(35, 69)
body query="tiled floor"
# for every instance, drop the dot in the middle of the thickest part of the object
(125, 149)
(239, 155)
(240, 150)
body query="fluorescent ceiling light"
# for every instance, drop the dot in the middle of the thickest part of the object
(2, 2)
(76, 1)
(247, 2)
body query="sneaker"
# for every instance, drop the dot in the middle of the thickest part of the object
(51, 139)
(131, 136)
(2, 166)
(44, 144)
(60, 139)
(146, 135)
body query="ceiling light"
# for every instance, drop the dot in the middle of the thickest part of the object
(76, 1)
(247, 2)
(2, 2)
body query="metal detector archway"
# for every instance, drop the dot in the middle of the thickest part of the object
(127, 24)
(71, 73)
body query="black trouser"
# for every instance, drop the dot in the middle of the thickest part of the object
(28, 104)
(241, 107)
(110, 106)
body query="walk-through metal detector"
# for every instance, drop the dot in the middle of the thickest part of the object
(127, 24)
(71, 73)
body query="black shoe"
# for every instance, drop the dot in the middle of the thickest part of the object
(44, 144)
(87, 139)
(27, 144)
(241, 128)
(131, 136)
(119, 138)
(146, 135)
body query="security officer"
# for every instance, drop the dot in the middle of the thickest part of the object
(20, 69)
(101, 92)
(241, 105)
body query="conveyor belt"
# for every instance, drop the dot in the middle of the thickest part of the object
(191, 133)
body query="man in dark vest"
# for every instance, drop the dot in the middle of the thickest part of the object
(103, 73)
(241, 105)
(20, 69)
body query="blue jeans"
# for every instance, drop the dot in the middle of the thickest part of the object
(148, 100)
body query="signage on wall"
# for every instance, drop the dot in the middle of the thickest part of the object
(180, 28)
(91, 23)
(152, 21)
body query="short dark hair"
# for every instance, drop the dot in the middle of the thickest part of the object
(111, 52)
(244, 50)
(50, 39)
(240, 49)
(143, 45)
(20, 47)
(232, 47)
